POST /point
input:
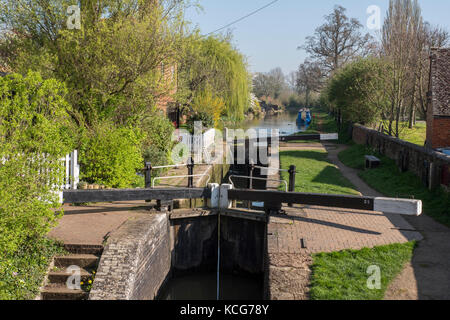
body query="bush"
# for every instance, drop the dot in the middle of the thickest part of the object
(35, 132)
(21, 273)
(207, 109)
(158, 130)
(112, 155)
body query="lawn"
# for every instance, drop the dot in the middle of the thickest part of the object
(315, 173)
(343, 275)
(416, 135)
(387, 179)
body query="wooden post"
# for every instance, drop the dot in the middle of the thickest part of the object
(292, 174)
(251, 168)
(148, 175)
(191, 173)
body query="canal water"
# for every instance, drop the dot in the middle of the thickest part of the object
(285, 122)
(204, 287)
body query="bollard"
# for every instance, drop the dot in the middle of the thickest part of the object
(190, 167)
(148, 175)
(292, 173)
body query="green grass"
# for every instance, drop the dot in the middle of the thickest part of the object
(316, 174)
(388, 180)
(321, 123)
(343, 275)
(417, 135)
(22, 274)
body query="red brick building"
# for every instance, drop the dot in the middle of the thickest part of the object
(438, 117)
(170, 82)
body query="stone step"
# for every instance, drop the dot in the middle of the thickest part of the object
(61, 276)
(84, 249)
(80, 260)
(61, 292)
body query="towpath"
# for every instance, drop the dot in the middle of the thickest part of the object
(306, 230)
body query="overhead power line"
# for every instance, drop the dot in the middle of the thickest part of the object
(243, 18)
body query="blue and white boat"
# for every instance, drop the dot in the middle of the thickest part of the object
(304, 116)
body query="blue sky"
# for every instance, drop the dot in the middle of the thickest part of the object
(270, 38)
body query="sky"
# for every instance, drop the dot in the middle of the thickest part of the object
(270, 38)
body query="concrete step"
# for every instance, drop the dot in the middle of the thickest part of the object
(80, 260)
(61, 292)
(84, 249)
(61, 276)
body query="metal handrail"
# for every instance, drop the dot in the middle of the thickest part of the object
(180, 165)
(264, 179)
(171, 166)
(185, 176)
(268, 168)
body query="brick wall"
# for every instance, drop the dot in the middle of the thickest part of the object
(169, 80)
(432, 167)
(135, 262)
(438, 117)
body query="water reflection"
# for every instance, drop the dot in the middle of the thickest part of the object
(286, 123)
(203, 287)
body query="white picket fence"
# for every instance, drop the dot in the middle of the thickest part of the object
(72, 170)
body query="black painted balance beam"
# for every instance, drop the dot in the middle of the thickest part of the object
(386, 205)
(114, 195)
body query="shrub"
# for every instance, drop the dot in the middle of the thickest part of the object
(208, 109)
(112, 155)
(35, 132)
(158, 130)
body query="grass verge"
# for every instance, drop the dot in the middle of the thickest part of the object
(388, 180)
(416, 135)
(315, 173)
(343, 275)
(21, 275)
(321, 123)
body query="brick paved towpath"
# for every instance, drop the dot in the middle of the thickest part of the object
(427, 276)
(308, 229)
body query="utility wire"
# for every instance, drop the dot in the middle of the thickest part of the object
(243, 18)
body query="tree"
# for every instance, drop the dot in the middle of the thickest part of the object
(358, 90)
(112, 65)
(338, 41)
(213, 64)
(309, 79)
(402, 48)
(270, 84)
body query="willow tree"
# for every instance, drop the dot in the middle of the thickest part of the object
(212, 64)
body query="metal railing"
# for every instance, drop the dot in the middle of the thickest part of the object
(185, 176)
(254, 178)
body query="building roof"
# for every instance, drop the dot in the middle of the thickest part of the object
(440, 74)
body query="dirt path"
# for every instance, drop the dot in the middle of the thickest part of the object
(427, 276)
